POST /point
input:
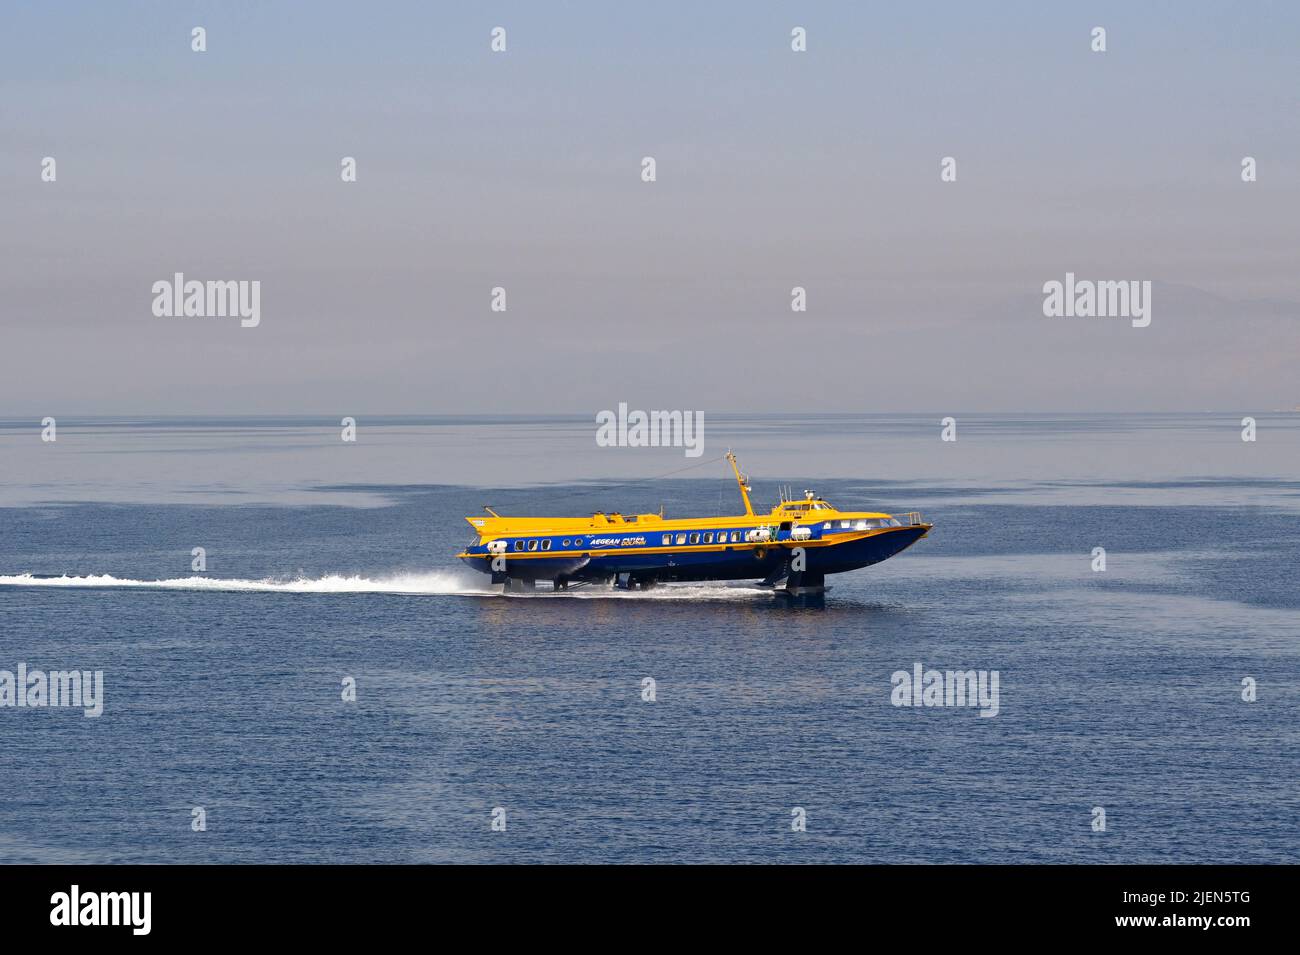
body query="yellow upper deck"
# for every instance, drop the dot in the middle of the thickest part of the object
(490, 526)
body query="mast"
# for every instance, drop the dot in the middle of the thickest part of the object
(742, 481)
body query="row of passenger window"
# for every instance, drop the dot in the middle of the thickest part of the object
(545, 544)
(868, 525)
(699, 537)
(703, 537)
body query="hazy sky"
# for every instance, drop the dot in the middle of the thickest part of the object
(522, 170)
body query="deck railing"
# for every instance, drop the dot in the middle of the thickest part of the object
(912, 518)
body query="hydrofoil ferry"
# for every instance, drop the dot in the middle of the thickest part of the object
(791, 549)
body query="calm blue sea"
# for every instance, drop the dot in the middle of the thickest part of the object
(326, 560)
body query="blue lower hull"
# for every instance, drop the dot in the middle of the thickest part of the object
(742, 562)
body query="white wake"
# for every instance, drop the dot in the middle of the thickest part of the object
(413, 583)
(438, 583)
